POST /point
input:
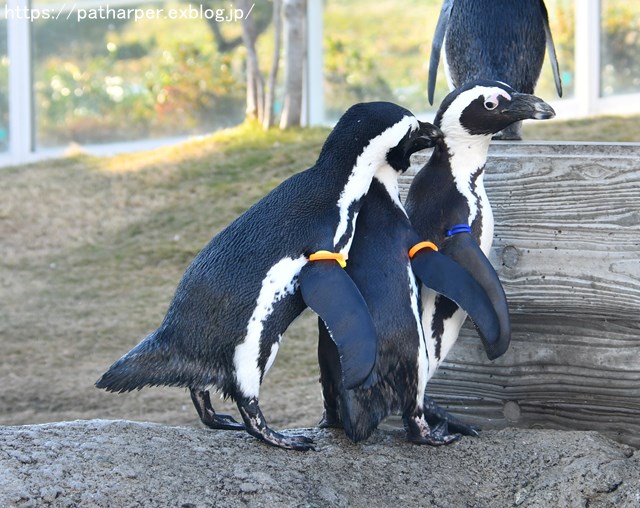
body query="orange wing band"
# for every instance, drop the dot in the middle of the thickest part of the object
(422, 245)
(322, 255)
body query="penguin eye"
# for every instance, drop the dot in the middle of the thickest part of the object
(491, 104)
(493, 100)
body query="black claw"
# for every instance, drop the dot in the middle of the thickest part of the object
(224, 422)
(459, 427)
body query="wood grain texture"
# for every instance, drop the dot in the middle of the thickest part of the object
(567, 249)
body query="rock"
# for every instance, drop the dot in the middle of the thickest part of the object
(100, 463)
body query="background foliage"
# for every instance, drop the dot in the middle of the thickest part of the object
(111, 80)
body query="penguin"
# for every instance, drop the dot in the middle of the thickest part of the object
(225, 322)
(447, 203)
(500, 40)
(388, 259)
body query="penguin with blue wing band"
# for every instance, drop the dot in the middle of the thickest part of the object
(448, 204)
(224, 325)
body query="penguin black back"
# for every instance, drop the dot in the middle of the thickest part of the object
(501, 40)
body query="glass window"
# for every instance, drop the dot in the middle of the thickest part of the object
(4, 88)
(124, 72)
(620, 47)
(562, 24)
(368, 58)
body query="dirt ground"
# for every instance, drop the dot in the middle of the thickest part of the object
(102, 463)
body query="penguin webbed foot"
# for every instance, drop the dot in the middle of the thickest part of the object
(202, 402)
(256, 425)
(419, 432)
(437, 416)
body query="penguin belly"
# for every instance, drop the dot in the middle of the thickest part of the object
(399, 377)
(380, 268)
(442, 319)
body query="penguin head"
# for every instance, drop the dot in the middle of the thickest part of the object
(382, 133)
(483, 108)
(425, 136)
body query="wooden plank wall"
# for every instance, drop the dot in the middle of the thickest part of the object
(567, 248)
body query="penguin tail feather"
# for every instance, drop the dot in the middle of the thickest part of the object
(147, 364)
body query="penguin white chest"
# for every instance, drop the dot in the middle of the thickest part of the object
(280, 281)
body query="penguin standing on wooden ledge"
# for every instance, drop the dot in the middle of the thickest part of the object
(386, 257)
(502, 40)
(448, 204)
(225, 323)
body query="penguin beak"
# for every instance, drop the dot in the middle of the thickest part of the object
(524, 106)
(427, 136)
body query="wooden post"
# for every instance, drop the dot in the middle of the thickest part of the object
(567, 249)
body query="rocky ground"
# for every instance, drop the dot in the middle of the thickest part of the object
(102, 463)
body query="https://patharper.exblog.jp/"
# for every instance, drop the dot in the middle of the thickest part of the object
(79, 13)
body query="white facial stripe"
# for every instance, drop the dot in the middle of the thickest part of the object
(468, 152)
(388, 177)
(450, 124)
(498, 93)
(369, 161)
(280, 281)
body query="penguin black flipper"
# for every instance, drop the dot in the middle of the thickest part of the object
(551, 49)
(436, 46)
(465, 251)
(443, 275)
(329, 292)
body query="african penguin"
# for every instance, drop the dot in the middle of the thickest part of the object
(447, 203)
(502, 40)
(388, 261)
(225, 323)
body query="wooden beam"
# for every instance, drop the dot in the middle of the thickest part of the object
(567, 248)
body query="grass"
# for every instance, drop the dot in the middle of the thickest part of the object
(92, 251)
(93, 248)
(602, 128)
